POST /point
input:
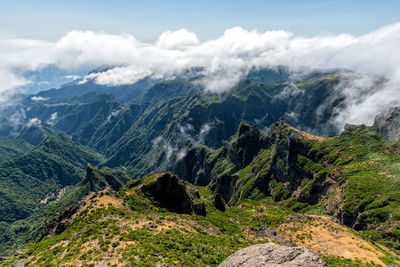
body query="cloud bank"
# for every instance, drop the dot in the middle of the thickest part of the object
(225, 60)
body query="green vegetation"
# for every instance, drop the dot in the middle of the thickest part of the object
(31, 182)
(141, 235)
(263, 175)
(13, 148)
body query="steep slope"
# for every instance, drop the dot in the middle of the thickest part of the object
(389, 123)
(165, 130)
(77, 116)
(133, 228)
(352, 176)
(18, 233)
(13, 148)
(34, 134)
(29, 179)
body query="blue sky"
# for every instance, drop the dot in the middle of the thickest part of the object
(44, 19)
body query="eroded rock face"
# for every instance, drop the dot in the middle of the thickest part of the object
(273, 255)
(171, 192)
(389, 124)
(59, 222)
(99, 181)
(219, 202)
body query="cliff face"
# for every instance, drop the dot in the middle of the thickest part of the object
(267, 162)
(343, 174)
(93, 182)
(99, 180)
(389, 123)
(172, 193)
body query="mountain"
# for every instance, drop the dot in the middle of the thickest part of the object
(165, 129)
(49, 216)
(133, 226)
(40, 175)
(13, 148)
(262, 162)
(351, 176)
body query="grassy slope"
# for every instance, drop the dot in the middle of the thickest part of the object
(129, 228)
(354, 177)
(370, 173)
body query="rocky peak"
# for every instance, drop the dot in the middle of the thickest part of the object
(389, 123)
(172, 193)
(245, 144)
(99, 180)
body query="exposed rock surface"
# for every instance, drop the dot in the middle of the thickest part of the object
(282, 176)
(172, 193)
(389, 123)
(219, 202)
(59, 222)
(99, 180)
(20, 263)
(273, 255)
(351, 127)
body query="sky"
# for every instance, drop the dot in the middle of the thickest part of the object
(44, 44)
(146, 20)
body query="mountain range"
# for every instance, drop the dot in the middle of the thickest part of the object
(173, 173)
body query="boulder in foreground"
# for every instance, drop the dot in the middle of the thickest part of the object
(273, 255)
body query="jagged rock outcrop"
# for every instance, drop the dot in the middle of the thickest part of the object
(246, 145)
(281, 176)
(286, 174)
(97, 181)
(351, 127)
(100, 180)
(172, 193)
(194, 167)
(228, 186)
(219, 202)
(389, 123)
(273, 255)
(59, 222)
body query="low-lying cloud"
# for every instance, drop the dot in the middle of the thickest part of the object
(225, 60)
(187, 137)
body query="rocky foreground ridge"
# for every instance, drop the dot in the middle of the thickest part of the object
(273, 255)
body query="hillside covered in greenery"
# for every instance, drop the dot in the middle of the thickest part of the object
(262, 162)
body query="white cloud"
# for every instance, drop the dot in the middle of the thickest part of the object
(72, 77)
(113, 114)
(225, 59)
(39, 98)
(180, 39)
(35, 122)
(366, 97)
(53, 118)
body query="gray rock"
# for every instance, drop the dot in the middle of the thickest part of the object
(351, 127)
(273, 255)
(389, 124)
(20, 263)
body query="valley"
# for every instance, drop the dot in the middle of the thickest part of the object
(166, 172)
